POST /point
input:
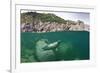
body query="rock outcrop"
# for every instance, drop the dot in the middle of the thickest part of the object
(40, 22)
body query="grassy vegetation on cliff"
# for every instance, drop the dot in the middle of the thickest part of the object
(29, 17)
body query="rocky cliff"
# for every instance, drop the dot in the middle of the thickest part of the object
(46, 22)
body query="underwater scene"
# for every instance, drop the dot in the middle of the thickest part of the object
(54, 46)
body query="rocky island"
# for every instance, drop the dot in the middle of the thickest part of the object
(48, 22)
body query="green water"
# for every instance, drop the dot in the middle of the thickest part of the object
(74, 46)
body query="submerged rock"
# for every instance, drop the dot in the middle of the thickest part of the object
(44, 55)
(55, 51)
(66, 51)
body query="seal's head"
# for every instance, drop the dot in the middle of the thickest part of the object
(59, 41)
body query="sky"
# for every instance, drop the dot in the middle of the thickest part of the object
(85, 17)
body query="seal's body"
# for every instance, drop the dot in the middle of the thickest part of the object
(51, 46)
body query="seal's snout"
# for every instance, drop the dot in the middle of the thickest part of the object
(59, 41)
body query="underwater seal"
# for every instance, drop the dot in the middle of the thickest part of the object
(52, 46)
